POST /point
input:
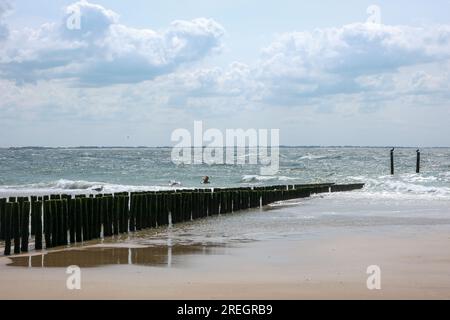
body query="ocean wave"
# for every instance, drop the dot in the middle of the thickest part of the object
(321, 157)
(403, 186)
(313, 157)
(61, 184)
(419, 178)
(74, 187)
(257, 178)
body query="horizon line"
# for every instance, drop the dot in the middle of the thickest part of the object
(193, 147)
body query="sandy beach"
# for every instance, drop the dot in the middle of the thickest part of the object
(224, 150)
(327, 262)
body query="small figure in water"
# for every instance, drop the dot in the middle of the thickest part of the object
(206, 180)
(174, 183)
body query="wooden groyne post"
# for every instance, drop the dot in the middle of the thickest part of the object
(7, 225)
(392, 161)
(418, 161)
(60, 220)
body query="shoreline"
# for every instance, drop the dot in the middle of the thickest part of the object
(333, 266)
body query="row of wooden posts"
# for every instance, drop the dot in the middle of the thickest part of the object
(60, 220)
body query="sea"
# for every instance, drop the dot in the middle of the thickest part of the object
(36, 171)
(405, 202)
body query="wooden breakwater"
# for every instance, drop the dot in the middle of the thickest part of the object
(61, 220)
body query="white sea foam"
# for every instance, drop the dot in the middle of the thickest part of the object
(403, 187)
(313, 157)
(257, 178)
(73, 187)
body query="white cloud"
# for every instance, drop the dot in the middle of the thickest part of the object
(103, 51)
(107, 71)
(5, 7)
(84, 20)
(363, 64)
(343, 60)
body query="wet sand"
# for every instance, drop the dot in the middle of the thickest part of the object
(313, 249)
(413, 266)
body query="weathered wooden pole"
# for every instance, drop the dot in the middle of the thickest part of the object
(184, 204)
(47, 224)
(37, 213)
(195, 206)
(392, 161)
(7, 226)
(140, 211)
(418, 161)
(126, 213)
(236, 201)
(71, 219)
(133, 213)
(55, 210)
(178, 206)
(230, 201)
(33, 199)
(189, 205)
(164, 211)
(16, 227)
(153, 209)
(102, 204)
(108, 216)
(91, 222)
(174, 208)
(214, 203)
(85, 218)
(207, 195)
(158, 208)
(121, 214)
(95, 215)
(2, 218)
(223, 202)
(25, 226)
(201, 205)
(160, 199)
(65, 222)
(145, 211)
(116, 214)
(78, 209)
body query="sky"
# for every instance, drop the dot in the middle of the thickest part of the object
(128, 73)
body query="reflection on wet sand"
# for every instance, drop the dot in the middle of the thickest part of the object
(161, 256)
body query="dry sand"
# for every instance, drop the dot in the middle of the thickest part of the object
(415, 264)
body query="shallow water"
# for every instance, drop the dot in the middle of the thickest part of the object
(159, 256)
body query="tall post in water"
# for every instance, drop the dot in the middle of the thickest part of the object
(392, 161)
(418, 161)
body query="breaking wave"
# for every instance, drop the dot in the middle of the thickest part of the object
(405, 186)
(74, 187)
(257, 178)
